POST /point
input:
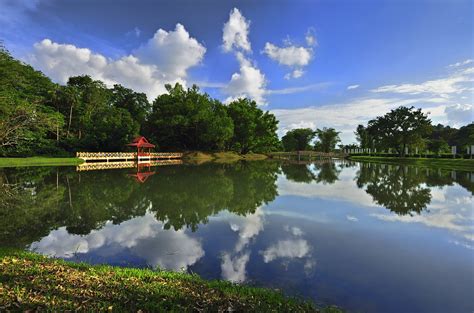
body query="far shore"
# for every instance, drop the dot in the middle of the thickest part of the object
(448, 164)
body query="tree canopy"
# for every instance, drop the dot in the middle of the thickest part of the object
(38, 116)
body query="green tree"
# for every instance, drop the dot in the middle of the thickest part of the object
(189, 120)
(363, 137)
(327, 139)
(136, 103)
(298, 139)
(254, 129)
(400, 128)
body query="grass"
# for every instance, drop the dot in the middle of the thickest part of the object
(38, 161)
(29, 281)
(449, 164)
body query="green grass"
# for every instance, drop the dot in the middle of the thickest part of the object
(38, 161)
(449, 164)
(29, 281)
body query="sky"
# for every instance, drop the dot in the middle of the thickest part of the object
(311, 63)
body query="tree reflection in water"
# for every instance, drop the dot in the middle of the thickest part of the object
(34, 201)
(404, 189)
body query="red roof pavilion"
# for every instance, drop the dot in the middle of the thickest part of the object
(141, 143)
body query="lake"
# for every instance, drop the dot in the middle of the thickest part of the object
(366, 237)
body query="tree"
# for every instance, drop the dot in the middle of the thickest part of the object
(400, 128)
(254, 129)
(327, 139)
(189, 120)
(136, 103)
(363, 137)
(298, 139)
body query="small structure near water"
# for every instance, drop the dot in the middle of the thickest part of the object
(142, 155)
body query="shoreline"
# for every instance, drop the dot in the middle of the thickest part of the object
(448, 164)
(191, 157)
(31, 281)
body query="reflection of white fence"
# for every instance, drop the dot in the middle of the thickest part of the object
(92, 166)
(126, 156)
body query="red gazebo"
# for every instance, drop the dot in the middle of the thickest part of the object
(141, 143)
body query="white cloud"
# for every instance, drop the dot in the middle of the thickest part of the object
(460, 114)
(235, 32)
(144, 236)
(450, 209)
(352, 87)
(453, 84)
(291, 56)
(172, 52)
(290, 90)
(248, 82)
(234, 263)
(295, 231)
(462, 63)
(290, 248)
(234, 268)
(165, 58)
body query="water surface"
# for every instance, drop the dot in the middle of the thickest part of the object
(369, 238)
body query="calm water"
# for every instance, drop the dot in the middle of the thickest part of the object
(369, 238)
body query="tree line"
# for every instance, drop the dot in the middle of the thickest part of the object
(398, 131)
(408, 129)
(39, 117)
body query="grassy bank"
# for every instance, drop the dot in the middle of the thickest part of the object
(29, 281)
(38, 161)
(221, 157)
(449, 164)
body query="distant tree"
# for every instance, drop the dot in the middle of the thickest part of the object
(254, 129)
(327, 139)
(400, 128)
(465, 136)
(298, 139)
(363, 137)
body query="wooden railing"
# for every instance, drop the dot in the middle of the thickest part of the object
(92, 166)
(114, 156)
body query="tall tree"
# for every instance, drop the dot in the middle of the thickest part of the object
(254, 129)
(400, 128)
(298, 139)
(327, 139)
(189, 120)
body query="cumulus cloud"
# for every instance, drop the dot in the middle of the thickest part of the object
(144, 236)
(248, 82)
(235, 32)
(165, 58)
(292, 56)
(290, 248)
(172, 52)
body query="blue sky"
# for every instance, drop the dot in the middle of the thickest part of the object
(312, 63)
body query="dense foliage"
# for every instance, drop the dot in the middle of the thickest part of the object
(406, 128)
(40, 117)
(298, 139)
